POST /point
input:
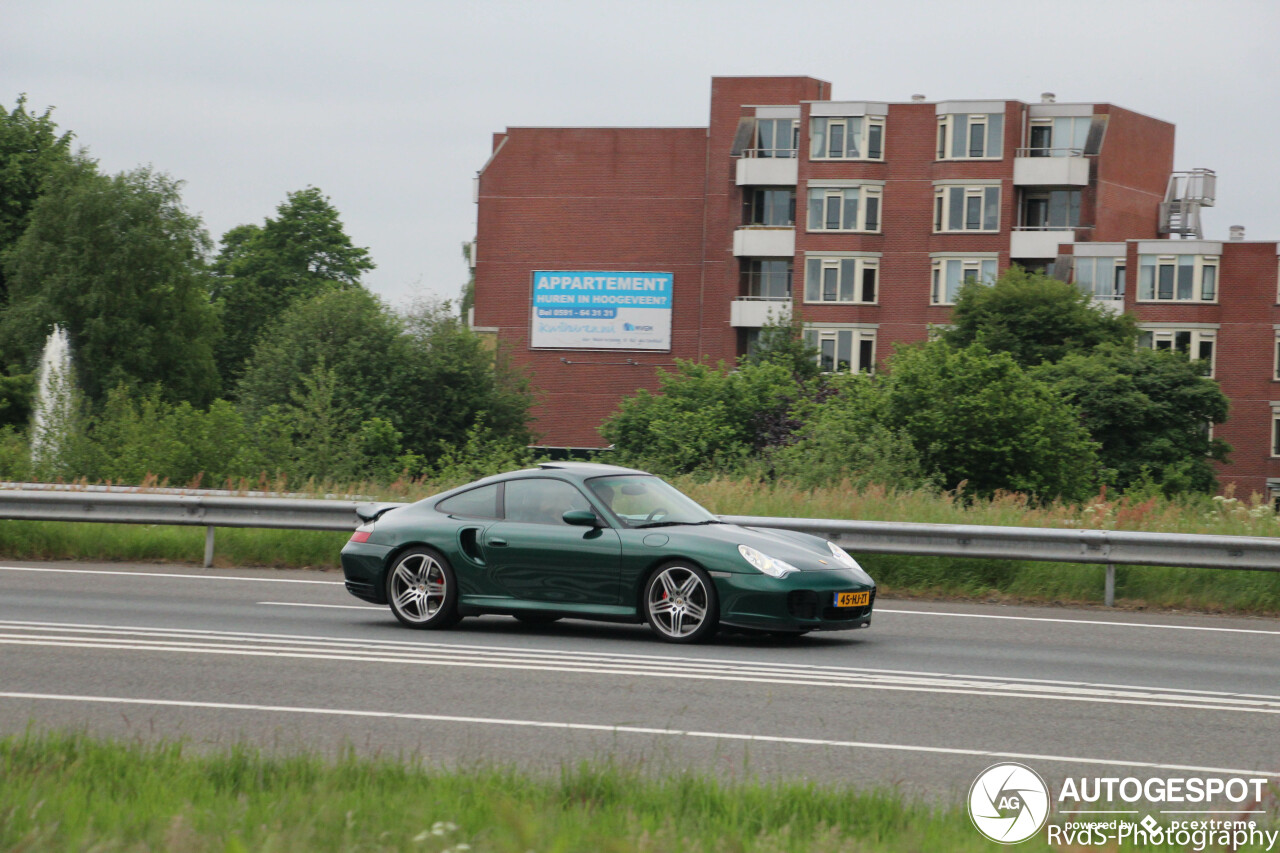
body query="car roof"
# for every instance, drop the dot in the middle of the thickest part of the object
(582, 470)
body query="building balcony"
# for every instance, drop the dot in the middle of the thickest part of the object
(768, 171)
(1113, 303)
(753, 312)
(764, 242)
(1050, 167)
(1038, 242)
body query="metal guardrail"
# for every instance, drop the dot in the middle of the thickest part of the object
(1102, 547)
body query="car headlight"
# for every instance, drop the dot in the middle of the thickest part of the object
(842, 556)
(769, 565)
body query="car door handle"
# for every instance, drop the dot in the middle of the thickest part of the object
(497, 543)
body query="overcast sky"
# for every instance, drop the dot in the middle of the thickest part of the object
(389, 107)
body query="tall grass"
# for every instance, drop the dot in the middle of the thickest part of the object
(65, 791)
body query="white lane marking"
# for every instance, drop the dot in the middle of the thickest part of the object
(377, 607)
(612, 658)
(1107, 623)
(877, 610)
(604, 665)
(165, 575)
(615, 729)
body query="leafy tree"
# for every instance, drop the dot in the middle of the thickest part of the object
(31, 150)
(119, 262)
(782, 342)
(454, 386)
(132, 437)
(976, 417)
(427, 377)
(1034, 318)
(263, 269)
(703, 418)
(1149, 411)
(840, 437)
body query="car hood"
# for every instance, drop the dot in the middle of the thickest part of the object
(806, 552)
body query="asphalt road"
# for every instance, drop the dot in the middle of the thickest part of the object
(925, 699)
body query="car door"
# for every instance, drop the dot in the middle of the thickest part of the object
(533, 555)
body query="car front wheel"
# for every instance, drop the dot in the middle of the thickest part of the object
(422, 589)
(680, 604)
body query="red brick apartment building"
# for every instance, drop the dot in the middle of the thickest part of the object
(602, 254)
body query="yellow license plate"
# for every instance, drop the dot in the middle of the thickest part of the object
(853, 599)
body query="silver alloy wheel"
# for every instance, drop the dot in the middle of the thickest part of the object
(418, 587)
(677, 602)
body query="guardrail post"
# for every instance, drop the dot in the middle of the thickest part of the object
(208, 547)
(1109, 597)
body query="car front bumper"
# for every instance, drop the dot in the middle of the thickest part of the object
(802, 601)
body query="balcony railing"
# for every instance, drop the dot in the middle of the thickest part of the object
(770, 153)
(1050, 152)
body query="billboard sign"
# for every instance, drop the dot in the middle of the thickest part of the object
(601, 310)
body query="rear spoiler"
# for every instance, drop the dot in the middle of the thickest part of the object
(372, 512)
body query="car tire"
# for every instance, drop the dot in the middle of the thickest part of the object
(536, 618)
(680, 604)
(423, 590)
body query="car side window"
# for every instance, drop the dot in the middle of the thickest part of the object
(541, 501)
(473, 503)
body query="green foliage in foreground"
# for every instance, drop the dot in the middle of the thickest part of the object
(73, 792)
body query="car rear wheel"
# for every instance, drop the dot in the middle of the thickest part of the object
(422, 589)
(680, 604)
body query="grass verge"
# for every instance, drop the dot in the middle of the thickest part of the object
(69, 791)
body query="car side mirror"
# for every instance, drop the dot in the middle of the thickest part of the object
(581, 518)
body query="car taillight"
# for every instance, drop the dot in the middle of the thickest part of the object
(362, 534)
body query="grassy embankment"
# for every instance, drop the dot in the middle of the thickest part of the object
(72, 792)
(1213, 590)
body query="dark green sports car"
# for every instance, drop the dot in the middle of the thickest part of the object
(579, 540)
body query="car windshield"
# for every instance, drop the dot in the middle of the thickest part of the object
(645, 501)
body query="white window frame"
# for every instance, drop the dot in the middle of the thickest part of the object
(775, 152)
(865, 193)
(1061, 147)
(1149, 291)
(1164, 337)
(1275, 430)
(1116, 286)
(942, 208)
(970, 268)
(1275, 372)
(948, 124)
(860, 126)
(839, 268)
(817, 336)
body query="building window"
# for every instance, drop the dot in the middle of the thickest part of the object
(1276, 367)
(771, 206)
(1051, 209)
(777, 137)
(1101, 278)
(1195, 344)
(767, 279)
(843, 350)
(1178, 278)
(971, 137)
(844, 209)
(949, 274)
(1064, 136)
(1275, 434)
(850, 280)
(852, 138)
(966, 209)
